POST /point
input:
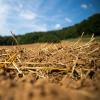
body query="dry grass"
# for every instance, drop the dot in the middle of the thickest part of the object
(73, 59)
(61, 70)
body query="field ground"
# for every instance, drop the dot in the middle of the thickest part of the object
(69, 70)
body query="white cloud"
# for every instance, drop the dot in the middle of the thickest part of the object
(28, 15)
(68, 20)
(33, 27)
(40, 28)
(4, 13)
(57, 26)
(84, 6)
(19, 7)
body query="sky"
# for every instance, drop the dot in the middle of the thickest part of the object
(22, 16)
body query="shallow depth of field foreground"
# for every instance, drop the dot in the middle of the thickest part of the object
(62, 71)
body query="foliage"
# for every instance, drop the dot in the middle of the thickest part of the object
(88, 26)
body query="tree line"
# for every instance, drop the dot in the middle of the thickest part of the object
(88, 26)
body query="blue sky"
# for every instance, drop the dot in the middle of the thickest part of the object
(22, 16)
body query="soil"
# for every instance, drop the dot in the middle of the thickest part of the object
(62, 71)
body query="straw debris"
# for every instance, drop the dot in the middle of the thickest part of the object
(72, 59)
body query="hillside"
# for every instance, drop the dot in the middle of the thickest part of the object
(88, 26)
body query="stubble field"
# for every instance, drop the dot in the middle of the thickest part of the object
(69, 70)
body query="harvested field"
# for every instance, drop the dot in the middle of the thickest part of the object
(63, 71)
